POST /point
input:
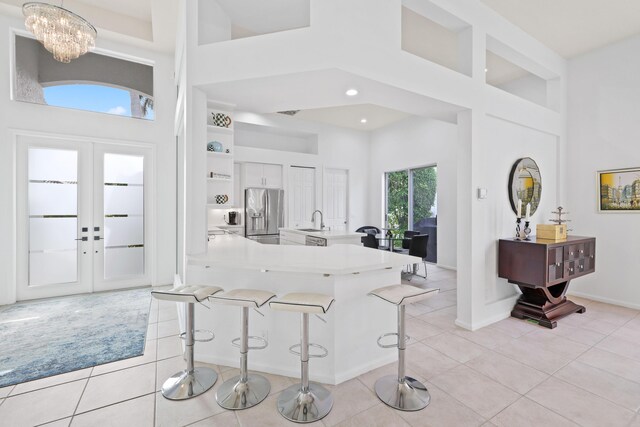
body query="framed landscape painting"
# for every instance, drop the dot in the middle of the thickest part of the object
(619, 190)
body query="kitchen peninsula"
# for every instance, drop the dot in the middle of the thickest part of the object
(346, 272)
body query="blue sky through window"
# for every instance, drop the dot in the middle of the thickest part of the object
(101, 99)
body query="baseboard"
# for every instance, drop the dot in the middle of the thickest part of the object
(604, 300)
(447, 267)
(484, 323)
(508, 302)
(294, 370)
(366, 367)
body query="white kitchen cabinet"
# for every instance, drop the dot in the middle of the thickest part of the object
(302, 197)
(272, 176)
(262, 175)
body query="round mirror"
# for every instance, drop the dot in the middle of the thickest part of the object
(525, 184)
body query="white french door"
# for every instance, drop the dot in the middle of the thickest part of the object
(83, 217)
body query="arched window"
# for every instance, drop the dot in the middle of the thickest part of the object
(93, 82)
(101, 99)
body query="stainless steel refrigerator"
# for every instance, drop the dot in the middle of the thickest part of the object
(264, 214)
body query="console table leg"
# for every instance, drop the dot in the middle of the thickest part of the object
(545, 305)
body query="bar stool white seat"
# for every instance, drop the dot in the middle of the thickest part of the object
(245, 390)
(400, 391)
(305, 402)
(192, 381)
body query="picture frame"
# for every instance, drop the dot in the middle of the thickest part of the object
(619, 190)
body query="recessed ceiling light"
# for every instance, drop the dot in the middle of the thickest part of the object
(363, 120)
(351, 92)
(486, 70)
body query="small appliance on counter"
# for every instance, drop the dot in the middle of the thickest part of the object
(263, 214)
(233, 218)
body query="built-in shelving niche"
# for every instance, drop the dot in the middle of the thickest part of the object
(221, 20)
(510, 71)
(220, 169)
(435, 35)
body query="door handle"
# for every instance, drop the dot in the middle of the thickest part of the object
(98, 238)
(83, 239)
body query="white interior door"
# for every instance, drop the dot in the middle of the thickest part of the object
(68, 192)
(302, 199)
(336, 199)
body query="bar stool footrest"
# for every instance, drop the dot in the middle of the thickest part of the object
(324, 353)
(210, 336)
(236, 342)
(383, 336)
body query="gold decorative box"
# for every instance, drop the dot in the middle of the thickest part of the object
(551, 232)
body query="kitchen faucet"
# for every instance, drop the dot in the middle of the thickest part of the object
(313, 218)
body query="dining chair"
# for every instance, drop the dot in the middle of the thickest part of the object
(406, 241)
(370, 241)
(369, 229)
(418, 248)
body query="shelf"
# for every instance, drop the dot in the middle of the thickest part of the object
(220, 179)
(219, 129)
(218, 154)
(220, 206)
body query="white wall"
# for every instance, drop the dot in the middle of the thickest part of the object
(416, 142)
(510, 142)
(16, 116)
(604, 133)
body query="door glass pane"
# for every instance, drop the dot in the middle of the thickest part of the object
(398, 201)
(53, 216)
(425, 206)
(123, 216)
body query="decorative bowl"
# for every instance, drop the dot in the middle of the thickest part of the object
(215, 146)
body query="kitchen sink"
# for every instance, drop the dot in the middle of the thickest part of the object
(309, 229)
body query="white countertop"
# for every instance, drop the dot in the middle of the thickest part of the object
(327, 234)
(232, 251)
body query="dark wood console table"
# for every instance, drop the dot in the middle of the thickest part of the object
(543, 269)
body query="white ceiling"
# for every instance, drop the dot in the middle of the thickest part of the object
(146, 23)
(140, 9)
(321, 97)
(572, 27)
(350, 116)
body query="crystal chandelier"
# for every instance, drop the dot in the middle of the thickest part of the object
(65, 34)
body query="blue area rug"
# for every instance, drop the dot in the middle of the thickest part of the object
(49, 337)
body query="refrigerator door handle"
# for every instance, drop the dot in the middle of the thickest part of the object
(267, 207)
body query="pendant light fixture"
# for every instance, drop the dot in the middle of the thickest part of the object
(63, 33)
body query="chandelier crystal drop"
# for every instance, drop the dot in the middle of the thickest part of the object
(66, 35)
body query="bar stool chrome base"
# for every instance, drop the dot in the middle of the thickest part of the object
(305, 407)
(406, 395)
(236, 394)
(185, 385)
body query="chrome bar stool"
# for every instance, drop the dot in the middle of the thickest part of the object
(400, 391)
(245, 390)
(305, 402)
(192, 381)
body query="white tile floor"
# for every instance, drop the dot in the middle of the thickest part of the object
(585, 372)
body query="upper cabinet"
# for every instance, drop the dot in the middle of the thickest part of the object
(262, 175)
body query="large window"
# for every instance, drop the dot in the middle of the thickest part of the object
(93, 82)
(412, 204)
